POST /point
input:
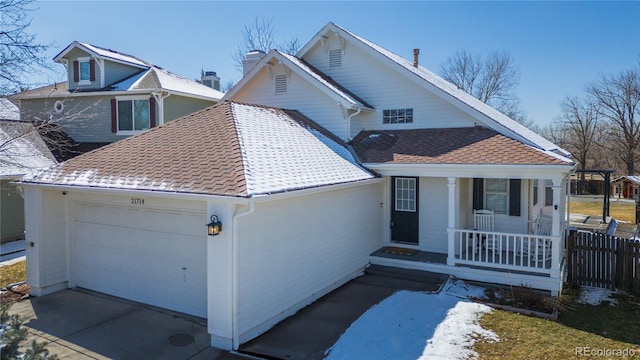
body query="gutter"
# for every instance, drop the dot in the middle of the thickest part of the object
(235, 341)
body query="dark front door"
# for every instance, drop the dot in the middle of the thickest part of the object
(404, 209)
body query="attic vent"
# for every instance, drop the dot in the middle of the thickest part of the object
(335, 58)
(281, 84)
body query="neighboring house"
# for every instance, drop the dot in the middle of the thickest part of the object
(376, 151)
(22, 152)
(626, 187)
(110, 95)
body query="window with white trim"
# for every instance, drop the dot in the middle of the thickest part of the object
(496, 195)
(405, 194)
(397, 116)
(133, 115)
(281, 84)
(84, 70)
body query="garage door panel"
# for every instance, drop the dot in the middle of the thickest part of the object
(148, 255)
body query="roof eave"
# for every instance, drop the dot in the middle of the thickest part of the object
(60, 57)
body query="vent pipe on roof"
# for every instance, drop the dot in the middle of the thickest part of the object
(416, 53)
(251, 60)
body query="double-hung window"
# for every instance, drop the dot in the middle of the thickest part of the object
(497, 195)
(133, 115)
(84, 70)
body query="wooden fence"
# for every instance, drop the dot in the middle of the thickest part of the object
(604, 261)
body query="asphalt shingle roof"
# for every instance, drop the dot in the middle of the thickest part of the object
(474, 145)
(230, 149)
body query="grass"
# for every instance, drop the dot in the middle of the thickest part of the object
(579, 325)
(11, 274)
(618, 210)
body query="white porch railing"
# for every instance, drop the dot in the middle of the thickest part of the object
(506, 251)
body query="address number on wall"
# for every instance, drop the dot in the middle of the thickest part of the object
(137, 201)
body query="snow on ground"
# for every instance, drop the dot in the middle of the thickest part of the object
(595, 296)
(417, 325)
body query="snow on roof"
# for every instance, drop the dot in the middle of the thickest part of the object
(461, 95)
(281, 154)
(112, 54)
(323, 79)
(8, 110)
(633, 178)
(22, 150)
(174, 82)
(128, 83)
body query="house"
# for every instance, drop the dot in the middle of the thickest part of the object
(110, 95)
(626, 187)
(22, 152)
(309, 170)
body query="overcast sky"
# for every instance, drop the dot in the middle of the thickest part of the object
(559, 46)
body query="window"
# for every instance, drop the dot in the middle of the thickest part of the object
(396, 116)
(405, 194)
(281, 84)
(133, 115)
(497, 195)
(335, 58)
(548, 193)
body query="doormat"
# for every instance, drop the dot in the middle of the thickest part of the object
(399, 251)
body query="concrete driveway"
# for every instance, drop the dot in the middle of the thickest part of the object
(85, 325)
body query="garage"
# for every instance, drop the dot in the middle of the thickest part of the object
(152, 255)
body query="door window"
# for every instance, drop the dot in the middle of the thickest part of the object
(405, 194)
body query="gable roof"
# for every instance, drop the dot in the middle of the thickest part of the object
(9, 110)
(22, 150)
(472, 146)
(100, 52)
(305, 70)
(229, 149)
(632, 178)
(481, 111)
(158, 78)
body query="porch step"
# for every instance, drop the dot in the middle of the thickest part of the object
(406, 279)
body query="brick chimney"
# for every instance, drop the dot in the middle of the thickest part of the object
(416, 53)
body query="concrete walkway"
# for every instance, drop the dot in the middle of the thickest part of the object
(314, 329)
(82, 325)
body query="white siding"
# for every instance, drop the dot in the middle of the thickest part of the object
(300, 95)
(45, 218)
(385, 88)
(505, 222)
(433, 212)
(293, 251)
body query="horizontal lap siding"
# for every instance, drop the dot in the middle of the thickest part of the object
(116, 72)
(84, 119)
(385, 88)
(292, 249)
(301, 96)
(433, 212)
(176, 106)
(11, 213)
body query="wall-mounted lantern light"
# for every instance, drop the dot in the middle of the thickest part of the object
(214, 227)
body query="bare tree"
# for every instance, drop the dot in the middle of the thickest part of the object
(580, 120)
(617, 98)
(492, 80)
(261, 35)
(20, 52)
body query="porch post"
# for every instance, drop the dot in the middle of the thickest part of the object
(451, 223)
(556, 235)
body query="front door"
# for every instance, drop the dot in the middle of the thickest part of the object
(404, 210)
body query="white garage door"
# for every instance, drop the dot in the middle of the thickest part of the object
(154, 256)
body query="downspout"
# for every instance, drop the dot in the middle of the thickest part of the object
(349, 123)
(160, 99)
(235, 342)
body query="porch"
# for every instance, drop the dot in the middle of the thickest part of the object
(494, 257)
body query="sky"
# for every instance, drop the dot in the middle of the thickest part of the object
(558, 46)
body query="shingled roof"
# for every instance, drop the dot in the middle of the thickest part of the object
(471, 145)
(230, 149)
